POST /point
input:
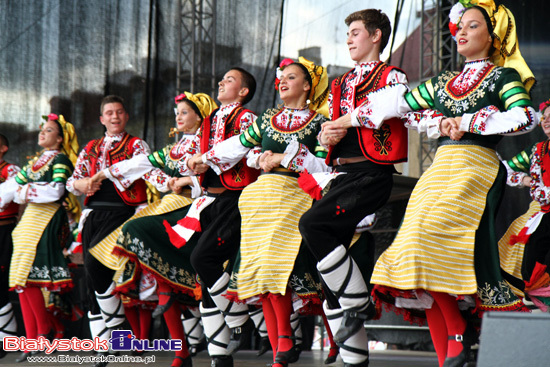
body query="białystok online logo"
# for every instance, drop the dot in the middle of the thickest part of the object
(121, 340)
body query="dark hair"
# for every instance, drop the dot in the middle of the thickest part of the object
(247, 81)
(373, 19)
(193, 106)
(4, 140)
(59, 128)
(111, 99)
(305, 71)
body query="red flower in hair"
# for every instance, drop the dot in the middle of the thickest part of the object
(53, 117)
(179, 98)
(544, 105)
(284, 63)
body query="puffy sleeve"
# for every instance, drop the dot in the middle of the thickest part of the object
(515, 116)
(45, 192)
(539, 192)
(518, 167)
(228, 153)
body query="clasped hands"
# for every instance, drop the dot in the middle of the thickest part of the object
(333, 131)
(450, 126)
(270, 160)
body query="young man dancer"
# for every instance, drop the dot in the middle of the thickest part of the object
(365, 154)
(106, 209)
(217, 214)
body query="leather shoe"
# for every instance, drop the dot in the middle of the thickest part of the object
(289, 355)
(222, 361)
(332, 355)
(240, 336)
(467, 339)
(160, 309)
(296, 355)
(265, 345)
(352, 321)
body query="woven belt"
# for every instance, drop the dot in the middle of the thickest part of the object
(341, 161)
(479, 143)
(282, 171)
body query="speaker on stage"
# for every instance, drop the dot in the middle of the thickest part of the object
(514, 339)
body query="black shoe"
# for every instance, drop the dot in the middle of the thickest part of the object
(332, 358)
(194, 349)
(240, 336)
(160, 309)
(265, 345)
(353, 321)
(467, 339)
(222, 361)
(182, 362)
(3, 353)
(287, 356)
(23, 357)
(365, 363)
(297, 351)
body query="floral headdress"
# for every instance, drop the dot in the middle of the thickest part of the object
(506, 51)
(318, 95)
(69, 146)
(543, 106)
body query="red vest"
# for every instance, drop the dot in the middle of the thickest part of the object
(389, 143)
(137, 193)
(240, 175)
(12, 210)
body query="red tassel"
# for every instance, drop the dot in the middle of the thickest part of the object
(175, 238)
(190, 223)
(310, 186)
(521, 237)
(538, 272)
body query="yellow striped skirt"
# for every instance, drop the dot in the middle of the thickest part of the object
(26, 236)
(434, 248)
(270, 240)
(103, 250)
(511, 257)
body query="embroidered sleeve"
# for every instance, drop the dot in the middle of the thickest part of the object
(299, 158)
(518, 116)
(82, 169)
(7, 192)
(194, 148)
(538, 191)
(253, 157)
(380, 105)
(124, 173)
(427, 121)
(47, 192)
(518, 167)
(246, 120)
(228, 153)
(12, 170)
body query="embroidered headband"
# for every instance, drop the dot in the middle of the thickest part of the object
(506, 50)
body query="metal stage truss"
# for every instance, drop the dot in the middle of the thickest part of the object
(196, 60)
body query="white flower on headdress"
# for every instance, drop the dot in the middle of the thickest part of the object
(455, 15)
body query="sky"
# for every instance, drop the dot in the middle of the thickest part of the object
(308, 23)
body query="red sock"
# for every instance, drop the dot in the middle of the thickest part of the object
(163, 291)
(333, 347)
(28, 317)
(132, 315)
(282, 305)
(438, 332)
(36, 302)
(172, 316)
(270, 324)
(453, 319)
(144, 322)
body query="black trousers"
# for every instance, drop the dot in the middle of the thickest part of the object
(331, 221)
(99, 224)
(220, 239)
(537, 249)
(6, 250)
